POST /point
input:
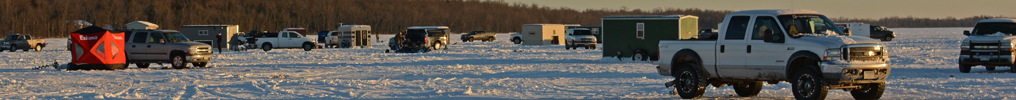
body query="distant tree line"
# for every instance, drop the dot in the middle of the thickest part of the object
(52, 18)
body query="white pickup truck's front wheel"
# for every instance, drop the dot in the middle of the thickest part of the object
(807, 85)
(307, 47)
(690, 83)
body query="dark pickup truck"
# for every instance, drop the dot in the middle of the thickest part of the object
(24, 42)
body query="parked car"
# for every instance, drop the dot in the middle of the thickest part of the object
(284, 39)
(410, 41)
(24, 42)
(990, 45)
(165, 46)
(481, 35)
(753, 49)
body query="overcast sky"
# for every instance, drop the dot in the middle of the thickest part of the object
(831, 8)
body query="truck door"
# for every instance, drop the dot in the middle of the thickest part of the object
(295, 40)
(766, 59)
(283, 41)
(134, 49)
(730, 59)
(156, 47)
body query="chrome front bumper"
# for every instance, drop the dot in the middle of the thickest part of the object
(200, 58)
(855, 73)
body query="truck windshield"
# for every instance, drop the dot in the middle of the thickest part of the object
(583, 32)
(10, 37)
(176, 37)
(799, 25)
(994, 28)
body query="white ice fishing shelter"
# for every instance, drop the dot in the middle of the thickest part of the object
(141, 25)
(543, 34)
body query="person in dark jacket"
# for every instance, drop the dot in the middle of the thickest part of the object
(218, 42)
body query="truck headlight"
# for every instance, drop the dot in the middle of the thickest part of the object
(832, 54)
(965, 45)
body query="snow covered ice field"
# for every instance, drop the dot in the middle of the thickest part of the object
(925, 68)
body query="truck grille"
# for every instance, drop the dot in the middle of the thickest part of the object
(863, 54)
(204, 50)
(986, 49)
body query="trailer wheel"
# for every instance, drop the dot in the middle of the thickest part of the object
(638, 55)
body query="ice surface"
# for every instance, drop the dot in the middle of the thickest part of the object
(924, 68)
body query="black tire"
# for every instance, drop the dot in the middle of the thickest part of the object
(638, 56)
(38, 48)
(964, 68)
(13, 48)
(989, 68)
(593, 46)
(307, 47)
(200, 64)
(177, 61)
(689, 82)
(888, 39)
(808, 85)
(870, 92)
(748, 89)
(517, 41)
(266, 47)
(490, 39)
(1012, 68)
(143, 65)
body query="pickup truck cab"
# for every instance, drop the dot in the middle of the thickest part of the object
(752, 48)
(481, 35)
(579, 37)
(284, 39)
(24, 42)
(165, 46)
(990, 45)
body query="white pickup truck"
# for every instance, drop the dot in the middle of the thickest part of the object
(752, 48)
(284, 39)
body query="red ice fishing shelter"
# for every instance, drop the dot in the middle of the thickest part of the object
(97, 48)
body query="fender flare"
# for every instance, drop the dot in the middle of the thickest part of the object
(687, 56)
(798, 59)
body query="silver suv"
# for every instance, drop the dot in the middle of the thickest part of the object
(165, 46)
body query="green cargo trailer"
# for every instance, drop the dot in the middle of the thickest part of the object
(638, 36)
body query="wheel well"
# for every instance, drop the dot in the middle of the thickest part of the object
(175, 52)
(687, 56)
(266, 43)
(799, 59)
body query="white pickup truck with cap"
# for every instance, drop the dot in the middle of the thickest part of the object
(751, 48)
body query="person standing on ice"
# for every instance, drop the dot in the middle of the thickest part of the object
(218, 41)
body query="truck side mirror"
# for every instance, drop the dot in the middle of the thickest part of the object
(966, 32)
(772, 37)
